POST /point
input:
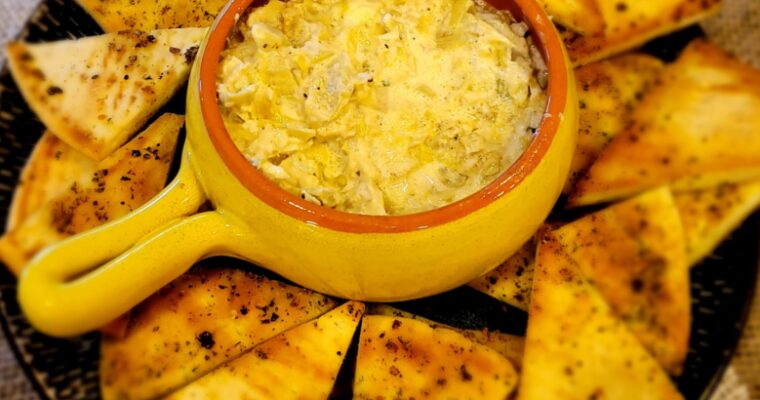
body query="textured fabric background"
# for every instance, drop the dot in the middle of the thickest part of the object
(737, 29)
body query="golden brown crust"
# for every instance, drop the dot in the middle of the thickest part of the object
(634, 252)
(405, 358)
(608, 92)
(631, 23)
(96, 92)
(696, 128)
(117, 15)
(509, 346)
(196, 323)
(581, 16)
(511, 282)
(710, 215)
(51, 167)
(575, 348)
(300, 363)
(119, 184)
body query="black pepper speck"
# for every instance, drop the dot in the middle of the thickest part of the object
(206, 340)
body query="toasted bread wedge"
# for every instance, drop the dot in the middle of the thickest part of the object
(116, 329)
(200, 321)
(696, 129)
(406, 358)
(582, 16)
(631, 23)
(94, 93)
(510, 346)
(608, 92)
(119, 184)
(710, 215)
(49, 171)
(301, 363)
(634, 252)
(144, 15)
(511, 282)
(576, 349)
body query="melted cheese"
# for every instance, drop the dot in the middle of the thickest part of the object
(380, 106)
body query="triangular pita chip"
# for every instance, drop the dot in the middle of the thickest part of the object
(694, 130)
(634, 252)
(117, 328)
(200, 321)
(509, 346)
(631, 23)
(709, 215)
(301, 363)
(576, 349)
(144, 15)
(511, 282)
(608, 92)
(405, 358)
(94, 93)
(50, 169)
(119, 184)
(582, 16)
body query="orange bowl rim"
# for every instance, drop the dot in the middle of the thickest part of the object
(546, 39)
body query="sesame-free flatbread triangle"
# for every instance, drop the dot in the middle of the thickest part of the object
(50, 169)
(117, 185)
(301, 363)
(509, 346)
(631, 23)
(634, 252)
(202, 320)
(608, 91)
(94, 93)
(512, 281)
(582, 16)
(406, 358)
(146, 15)
(710, 215)
(576, 349)
(696, 129)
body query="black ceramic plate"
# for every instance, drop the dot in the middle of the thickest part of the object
(722, 286)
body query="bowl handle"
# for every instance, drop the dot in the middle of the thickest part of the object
(90, 279)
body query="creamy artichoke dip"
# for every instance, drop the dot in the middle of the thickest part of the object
(381, 107)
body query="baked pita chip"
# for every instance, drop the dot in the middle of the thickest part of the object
(634, 252)
(144, 15)
(509, 346)
(511, 282)
(301, 363)
(200, 321)
(582, 16)
(709, 215)
(576, 349)
(50, 169)
(696, 129)
(631, 23)
(608, 92)
(116, 329)
(94, 93)
(406, 358)
(119, 184)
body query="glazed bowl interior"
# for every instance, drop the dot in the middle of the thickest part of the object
(545, 39)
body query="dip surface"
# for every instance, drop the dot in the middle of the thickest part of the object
(381, 107)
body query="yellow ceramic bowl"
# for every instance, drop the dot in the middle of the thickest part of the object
(69, 290)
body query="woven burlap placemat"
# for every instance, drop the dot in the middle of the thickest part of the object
(13, 383)
(736, 28)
